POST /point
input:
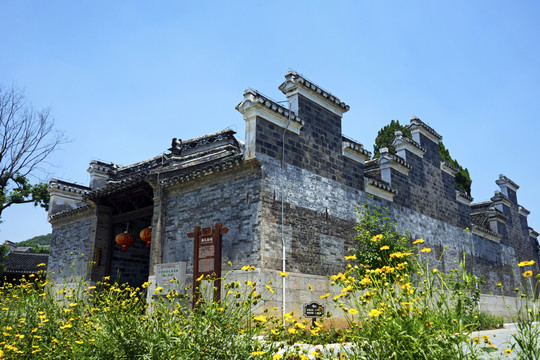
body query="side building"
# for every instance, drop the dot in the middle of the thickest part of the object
(288, 195)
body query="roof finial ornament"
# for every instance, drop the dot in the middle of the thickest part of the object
(176, 146)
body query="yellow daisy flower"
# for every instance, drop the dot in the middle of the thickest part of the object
(374, 313)
(377, 238)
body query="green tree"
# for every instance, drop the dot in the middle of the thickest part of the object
(38, 249)
(462, 180)
(37, 241)
(27, 138)
(386, 135)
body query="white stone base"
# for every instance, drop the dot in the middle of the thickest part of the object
(505, 306)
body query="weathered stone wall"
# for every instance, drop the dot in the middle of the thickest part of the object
(484, 257)
(428, 190)
(317, 149)
(319, 217)
(71, 245)
(515, 231)
(232, 198)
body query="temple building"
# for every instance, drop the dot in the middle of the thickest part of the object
(288, 195)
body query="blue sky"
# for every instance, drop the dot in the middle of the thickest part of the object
(124, 77)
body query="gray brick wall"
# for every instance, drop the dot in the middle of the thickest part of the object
(71, 246)
(317, 149)
(319, 201)
(231, 199)
(316, 242)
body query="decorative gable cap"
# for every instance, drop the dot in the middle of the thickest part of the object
(296, 82)
(253, 97)
(503, 180)
(418, 125)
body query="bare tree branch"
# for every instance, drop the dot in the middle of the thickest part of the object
(27, 138)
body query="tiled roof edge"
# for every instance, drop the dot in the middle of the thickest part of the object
(401, 161)
(381, 184)
(257, 98)
(504, 179)
(409, 140)
(68, 213)
(446, 163)
(417, 121)
(297, 78)
(115, 186)
(356, 146)
(484, 231)
(464, 195)
(68, 186)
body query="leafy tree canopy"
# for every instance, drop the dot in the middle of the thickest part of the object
(37, 243)
(463, 179)
(386, 135)
(37, 240)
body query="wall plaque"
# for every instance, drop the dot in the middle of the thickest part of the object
(169, 271)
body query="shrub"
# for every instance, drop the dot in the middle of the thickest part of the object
(375, 231)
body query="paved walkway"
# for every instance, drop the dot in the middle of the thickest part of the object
(501, 339)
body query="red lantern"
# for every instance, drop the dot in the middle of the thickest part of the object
(146, 236)
(125, 239)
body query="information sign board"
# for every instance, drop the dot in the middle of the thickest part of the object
(313, 310)
(207, 256)
(166, 272)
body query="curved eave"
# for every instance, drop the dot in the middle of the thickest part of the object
(70, 213)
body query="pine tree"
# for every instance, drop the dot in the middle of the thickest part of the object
(386, 135)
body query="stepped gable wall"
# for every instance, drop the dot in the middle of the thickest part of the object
(321, 186)
(320, 180)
